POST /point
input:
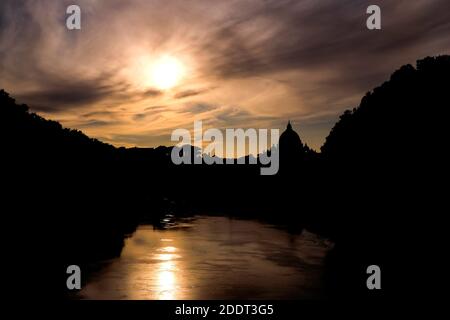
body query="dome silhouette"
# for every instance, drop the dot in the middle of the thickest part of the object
(291, 149)
(290, 139)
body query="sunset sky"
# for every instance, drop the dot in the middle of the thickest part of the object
(139, 69)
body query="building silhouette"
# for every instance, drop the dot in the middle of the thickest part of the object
(292, 149)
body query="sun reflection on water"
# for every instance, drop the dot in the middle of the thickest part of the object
(166, 273)
(213, 262)
(168, 249)
(167, 284)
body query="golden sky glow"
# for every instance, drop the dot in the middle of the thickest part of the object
(139, 69)
(165, 73)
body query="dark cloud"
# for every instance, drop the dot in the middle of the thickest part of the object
(148, 116)
(66, 94)
(288, 35)
(97, 113)
(239, 116)
(139, 116)
(150, 113)
(95, 123)
(46, 65)
(156, 108)
(197, 108)
(230, 114)
(189, 93)
(152, 93)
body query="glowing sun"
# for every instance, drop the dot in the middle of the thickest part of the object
(166, 73)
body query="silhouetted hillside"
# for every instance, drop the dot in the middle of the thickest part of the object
(402, 118)
(28, 134)
(383, 161)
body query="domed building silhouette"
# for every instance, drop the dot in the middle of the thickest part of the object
(291, 149)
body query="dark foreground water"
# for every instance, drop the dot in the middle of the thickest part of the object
(213, 258)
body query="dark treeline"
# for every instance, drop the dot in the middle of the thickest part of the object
(69, 199)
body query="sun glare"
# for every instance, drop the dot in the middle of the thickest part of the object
(166, 73)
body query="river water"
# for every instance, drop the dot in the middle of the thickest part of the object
(208, 257)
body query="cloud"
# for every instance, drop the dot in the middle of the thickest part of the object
(189, 93)
(241, 117)
(280, 35)
(197, 108)
(139, 116)
(65, 94)
(143, 139)
(267, 60)
(152, 93)
(97, 113)
(152, 113)
(95, 123)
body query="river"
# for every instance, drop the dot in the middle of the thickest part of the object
(209, 257)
